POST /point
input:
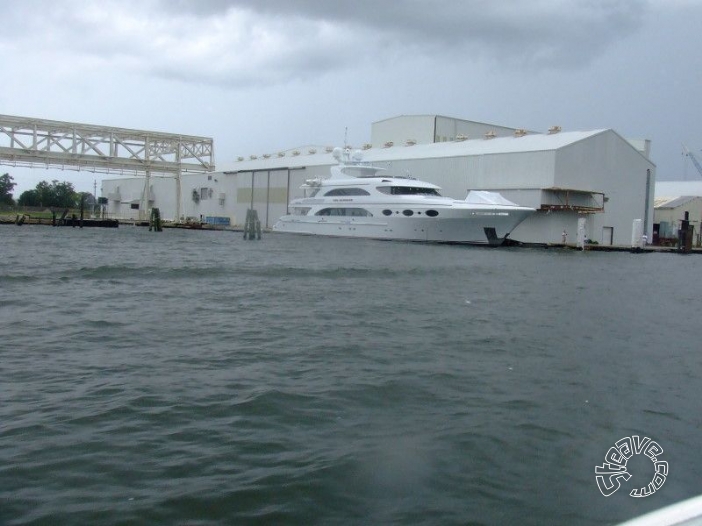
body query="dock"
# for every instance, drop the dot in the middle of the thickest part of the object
(648, 249)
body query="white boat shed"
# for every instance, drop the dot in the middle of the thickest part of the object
(596, 175)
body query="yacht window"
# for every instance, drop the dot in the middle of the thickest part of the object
(408, 212)
(387, 212)
(301, 211)
(432, 213)
(407, 190)
(311, 192)
(346, 212)
(347, 191)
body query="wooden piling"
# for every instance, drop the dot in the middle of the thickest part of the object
(685, 235)
(155, 220)
(252, 226)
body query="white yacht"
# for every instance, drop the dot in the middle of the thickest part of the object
(359, 200)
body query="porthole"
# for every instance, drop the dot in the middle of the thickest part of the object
(408, 212)
(432, 213)
(387, 212)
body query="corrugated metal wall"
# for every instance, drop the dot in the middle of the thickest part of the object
(458, 175)
(607, 163)
(268, 191)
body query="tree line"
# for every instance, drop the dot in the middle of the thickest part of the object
(48, 195)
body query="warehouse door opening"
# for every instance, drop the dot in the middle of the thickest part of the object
(607, 235)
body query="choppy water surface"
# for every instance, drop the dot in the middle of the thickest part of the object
(196, 378)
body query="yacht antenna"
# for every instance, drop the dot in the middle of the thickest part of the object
(346, 137)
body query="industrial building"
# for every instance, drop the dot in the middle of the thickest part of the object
(597, 175)
(669, 214)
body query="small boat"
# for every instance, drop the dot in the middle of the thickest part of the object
(684, 513)
(360, 200)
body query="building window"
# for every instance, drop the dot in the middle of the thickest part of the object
(134, 206)
(204, 193)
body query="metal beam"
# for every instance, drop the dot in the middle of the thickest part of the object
(29, 142)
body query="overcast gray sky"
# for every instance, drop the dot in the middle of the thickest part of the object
(260, 76)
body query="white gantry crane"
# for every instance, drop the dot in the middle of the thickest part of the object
(692, 157)
(33, 143)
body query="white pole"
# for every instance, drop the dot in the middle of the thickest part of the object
(144, 206)
(178, 189)
(637, 239)
(582, 233)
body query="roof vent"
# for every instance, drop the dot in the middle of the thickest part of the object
(329, 149)
(266, 155)
(281, 154)
(388, 144)
(312, 151)
(490, 135)
(253, 157)
(520, 132)
(239, 158)
(410, 142)
(367, 146)
(296, 153)
(554, 129)
(460, 137)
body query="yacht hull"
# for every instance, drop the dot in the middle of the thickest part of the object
(483, 227)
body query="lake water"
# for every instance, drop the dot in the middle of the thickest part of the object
(195, 378)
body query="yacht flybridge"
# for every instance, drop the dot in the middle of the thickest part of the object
(359, 200)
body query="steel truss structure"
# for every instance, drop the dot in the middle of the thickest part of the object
(33, 143)
(68, 145)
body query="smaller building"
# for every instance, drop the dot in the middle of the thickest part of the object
(668, 214)
(205, 198)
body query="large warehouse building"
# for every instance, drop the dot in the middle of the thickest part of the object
(596, 175)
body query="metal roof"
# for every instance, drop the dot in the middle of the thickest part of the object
(497, 145)
(526, 143)
(664, 203)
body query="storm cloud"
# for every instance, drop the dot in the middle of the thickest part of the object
(261, 76)
(263, 42)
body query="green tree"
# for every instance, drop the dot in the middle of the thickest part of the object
(89, 199)
(53, 195)
(64, 194)
(28, 198)
(44, 195)
(7, 186)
